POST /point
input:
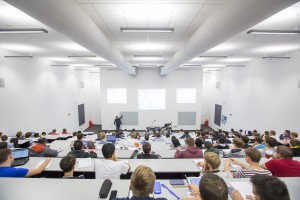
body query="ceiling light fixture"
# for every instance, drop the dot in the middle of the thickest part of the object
(146, 30)
(60, 65)
(235, 65)
(148, 56)
(191, 65)
(213, 70)
(22, 30)
(273, 32)
(276, 57)
(81, 56)
(18, 56)
(212, 56)
(104, 65)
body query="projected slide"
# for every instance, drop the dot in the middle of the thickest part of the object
(186, 95)
(116, 96)
(151, 99)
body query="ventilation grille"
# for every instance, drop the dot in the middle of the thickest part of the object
(218, 84)
(2, 85)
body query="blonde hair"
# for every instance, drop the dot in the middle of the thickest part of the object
(133, 135)
(101, 135)
(294, 134)
(212, 161)
(142, 181)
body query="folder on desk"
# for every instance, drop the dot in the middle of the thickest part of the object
(197, 161)
(243, 187)
(42, 161)
(84, 162)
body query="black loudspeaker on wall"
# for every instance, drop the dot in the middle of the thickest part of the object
(2, 84)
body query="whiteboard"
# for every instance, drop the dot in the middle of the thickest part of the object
(151, 99)
(186, 118)
(130, 118)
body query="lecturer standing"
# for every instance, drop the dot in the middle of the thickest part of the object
(118, 122)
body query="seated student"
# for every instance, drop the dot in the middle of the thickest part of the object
(181, 132)
(19, 135)
(190, 152)
(78, 152)
(283, 165)
(185, 135)
(210, 148)
(211, 164)
(67, 164)
(204, 135)
(14, 141)
(199, 143)
(54, 132)
(147, 154)
(211, 187)
(64, 131)
(4, 138)
(265, 188)
(146, 137)
(271, 143)
(295, 146)
(40, 149)
(246, 142)
(110, 167)
(285, 135)
(7, 158)
(158, 137)
(142, 184)
(259, 143)
(221, 144)
(294, 135)
(132, 141)
(43, 134)
(3, 145)
(252, 157)
(101, 137)
(175, 141)
(79, 136)
(36, 135)
(90, 145)
(272, 133)
(237, 150)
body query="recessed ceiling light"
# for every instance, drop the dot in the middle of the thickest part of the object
(81, 56)
(60, 65)
(276, 57)
(104, 65)
(214, 65)
(18, 56)
(149, 56)
(191, 65)
(22, 30)
(212, 56)
(146, 30)
(273, 32)
(235, 65)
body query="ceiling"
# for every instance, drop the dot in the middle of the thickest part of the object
(186, 16)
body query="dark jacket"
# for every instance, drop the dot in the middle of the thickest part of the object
(237, 153)
(296, 151)
(39, 150)
(82, 154)
(118, 121)
(190, 152)
(147, 156)
(213, 150)
(224, 146)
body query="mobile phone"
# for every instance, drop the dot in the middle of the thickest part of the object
(113, 194)
(157, 188)
(230, 190)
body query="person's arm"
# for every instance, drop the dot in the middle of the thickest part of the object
(178, 153)
(227, 167)
(235, 161)
(32, 172)
(263, 166)
(195, 189)
(236, 195)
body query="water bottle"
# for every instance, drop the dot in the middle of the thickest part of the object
(220, 154)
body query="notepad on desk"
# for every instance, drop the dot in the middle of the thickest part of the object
(84, 162)
(42, 161)
(243, 187)
(198, 161)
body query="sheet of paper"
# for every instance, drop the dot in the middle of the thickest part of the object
(197, 161)
(84, 162)
(243, 187)
(235, 165)
(41, 162)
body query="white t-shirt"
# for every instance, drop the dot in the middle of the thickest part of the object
(109, 169)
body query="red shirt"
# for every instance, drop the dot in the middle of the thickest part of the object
(284, 167)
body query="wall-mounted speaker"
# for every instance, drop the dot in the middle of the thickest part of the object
(81, 84)
(2, 84)
(218, 84)
(298, 83)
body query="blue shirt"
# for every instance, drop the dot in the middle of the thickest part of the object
(13, 172)
(138, 198)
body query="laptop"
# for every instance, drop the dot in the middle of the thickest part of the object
(111, 138)
(21, 156)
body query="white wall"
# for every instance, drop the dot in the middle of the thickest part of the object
(38, 97)
(150, 79)
(95, 97)
(263, 95)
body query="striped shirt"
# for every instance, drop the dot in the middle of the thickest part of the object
(247, 173)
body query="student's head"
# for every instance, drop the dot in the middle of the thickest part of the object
(5, 154)
(44, 133)
(158, 134)
(272, 133)
(42, 141)
(74, 133)
(78, 144)
(28, 135)
(203, 133)
(294, 135)
(238, 143)
(222, 140)
(108, 150)
(19, 134)
(269, 188)
(4, 138)
(67, 163)
(175, 141)
(237, 134)
(271, 142)
(258, 140)
(142, 181)
(186, 132)
(64, 130)
(212, 161)
(133, 135)
(146, 148)
(90, 145)
(101, 135)
(54, 130)
(147, 137)
(3, 145)
(213, 187)
(245, 139)
(79, 136)
(267, 133)
(252, 154)
(198, 142)
(287, 133)
(294, 142)
(208, 145)
(36, 135)
(284, 152)
(189, 142)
